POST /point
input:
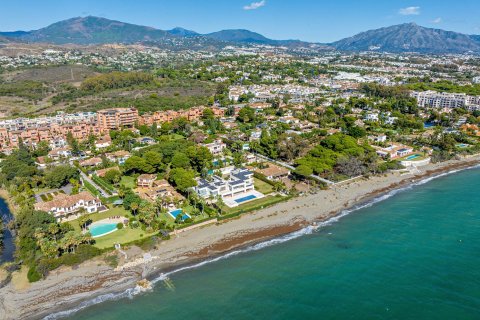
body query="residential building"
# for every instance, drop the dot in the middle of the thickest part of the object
(118, 156)
(273, 172)
(216, 147)
(117, 118)
(146, 180)
(238, 181)
(66, 207)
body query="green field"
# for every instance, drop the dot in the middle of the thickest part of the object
(128, 182)
(253, 205)
(262, 186)
(117, 211)
(124, 235)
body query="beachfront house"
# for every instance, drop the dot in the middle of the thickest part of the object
(68, 207)
(239, 181)
(273, 172)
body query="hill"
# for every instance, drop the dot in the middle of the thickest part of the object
(409, 37)
(182, 32)
(238, 36)
(94, 30)
(91, 30)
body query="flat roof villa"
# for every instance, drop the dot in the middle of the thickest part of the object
(236, 188)
(394, 150)
(68, 207)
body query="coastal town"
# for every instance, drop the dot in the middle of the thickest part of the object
(112, 152)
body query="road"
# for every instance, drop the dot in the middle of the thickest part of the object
(286, 165)
(102, 192)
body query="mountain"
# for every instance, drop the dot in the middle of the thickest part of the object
(91, 30)
(14, 34)
(95, 30)
(409, 37)
(243, 36)
(238, 36)
(182, 32)
(475, 38)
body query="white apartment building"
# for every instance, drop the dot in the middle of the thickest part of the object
(440, 100)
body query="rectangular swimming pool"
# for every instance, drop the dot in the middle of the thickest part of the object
(175, 213)
(247, 198)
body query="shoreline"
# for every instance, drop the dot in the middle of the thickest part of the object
(73, 288)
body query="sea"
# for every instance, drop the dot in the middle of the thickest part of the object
(411, 254)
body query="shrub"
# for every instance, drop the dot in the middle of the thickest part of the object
(112, 260)
(33, 275)
(119, 226)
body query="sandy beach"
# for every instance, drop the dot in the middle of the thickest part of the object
(67, 288)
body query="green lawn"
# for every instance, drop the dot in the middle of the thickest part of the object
(117, 211)
(128, 182)
(170, 221)
(175, 136)
(124, 235)
(253, 205)
(262, 186)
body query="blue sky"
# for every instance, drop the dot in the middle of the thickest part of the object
(309, 20)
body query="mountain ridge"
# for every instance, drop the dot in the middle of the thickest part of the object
(90, 30)
(410, 37)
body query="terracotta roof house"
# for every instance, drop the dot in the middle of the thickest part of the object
(92, 162)
(146, 180)
(118, 156)
(103, 142)
(64, 206)
(274, 172)
(159, 189)
(101, 172)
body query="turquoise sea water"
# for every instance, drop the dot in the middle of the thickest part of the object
(415, 255)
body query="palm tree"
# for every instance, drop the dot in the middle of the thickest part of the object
(121, 192)
(158, 205)
(39, 234)
(83, 221)
(49, 248)
(134, 207)
(220, 203)
(53, 229)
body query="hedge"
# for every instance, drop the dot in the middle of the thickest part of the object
(103, 184)
(262, 177)
(90, 188)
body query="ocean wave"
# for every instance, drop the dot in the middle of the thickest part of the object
(130, 293)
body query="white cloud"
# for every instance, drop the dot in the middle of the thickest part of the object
(438, 20)
(409, 11)
(255, 5)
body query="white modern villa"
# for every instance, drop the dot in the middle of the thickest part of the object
(235, 188)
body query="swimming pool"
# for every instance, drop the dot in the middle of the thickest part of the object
(176, 212)
(463, 145)
(413, 157)
(102, 229)
(247, 198)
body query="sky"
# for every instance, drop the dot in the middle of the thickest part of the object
(308, 20)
